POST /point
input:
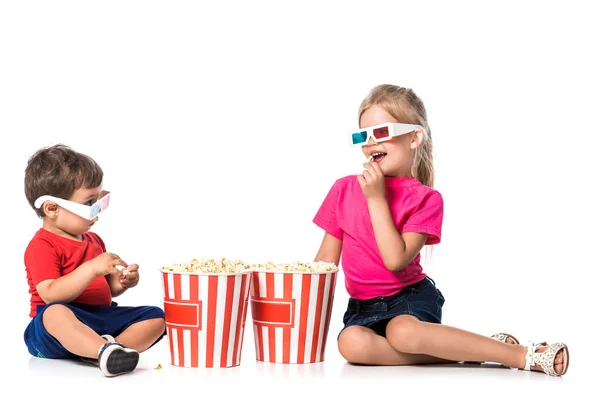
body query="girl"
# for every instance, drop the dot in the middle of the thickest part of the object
(380, 220)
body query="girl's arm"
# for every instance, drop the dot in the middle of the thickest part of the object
(330, 250)
(396, 250)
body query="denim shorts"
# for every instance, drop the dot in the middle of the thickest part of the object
(421, 300)
(111, 320)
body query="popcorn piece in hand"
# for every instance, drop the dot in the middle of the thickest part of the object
(124, 272)
(370, 159)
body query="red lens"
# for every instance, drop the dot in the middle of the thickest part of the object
(381, 133)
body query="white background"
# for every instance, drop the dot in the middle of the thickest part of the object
(220, 128)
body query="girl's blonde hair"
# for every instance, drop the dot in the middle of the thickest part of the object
(405, 106)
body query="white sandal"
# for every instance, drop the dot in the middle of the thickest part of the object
(545, 359)
(503, 337)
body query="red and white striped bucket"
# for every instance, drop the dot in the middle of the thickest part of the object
(205, 316)
(290, 314)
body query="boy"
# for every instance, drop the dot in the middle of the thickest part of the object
(71, 277)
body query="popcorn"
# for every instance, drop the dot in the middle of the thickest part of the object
(222, 266)
(124, 271)
(370, 159)
(226, 266)
(296, 266)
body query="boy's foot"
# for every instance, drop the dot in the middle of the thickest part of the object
(115, 359)
(94, 361)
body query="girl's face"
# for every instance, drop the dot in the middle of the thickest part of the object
(65, 223)
(394, 156)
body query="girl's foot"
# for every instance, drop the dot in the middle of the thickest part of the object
(552, 359)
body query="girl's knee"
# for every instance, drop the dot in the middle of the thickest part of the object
(353, 344)
(402, 334)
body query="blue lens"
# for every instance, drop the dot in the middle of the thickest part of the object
(95, 210)
(359, 137)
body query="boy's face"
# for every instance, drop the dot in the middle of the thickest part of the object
(71, 223)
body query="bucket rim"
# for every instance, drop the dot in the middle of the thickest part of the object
(298, 272)
(205, 273)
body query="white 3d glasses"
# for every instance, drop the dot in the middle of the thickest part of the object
(380, 133)
(84, 211)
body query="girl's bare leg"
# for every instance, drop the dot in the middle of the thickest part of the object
(76, 337)
(406, 334)
(360, 345)
(141, 335)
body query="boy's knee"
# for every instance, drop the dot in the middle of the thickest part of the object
(54, 312)
(158, 324)
(152, 312)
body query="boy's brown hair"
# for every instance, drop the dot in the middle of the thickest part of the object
(58, 171)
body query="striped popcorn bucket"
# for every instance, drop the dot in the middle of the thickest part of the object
(205, 316)
(290, 315)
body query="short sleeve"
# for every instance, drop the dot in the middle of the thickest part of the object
(42, 261)
(427, 218)
(98, 240)
(326, 217)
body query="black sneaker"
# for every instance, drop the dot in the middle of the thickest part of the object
(115, 359)
(94, 361)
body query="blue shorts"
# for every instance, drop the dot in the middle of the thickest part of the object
(104, 320)
(421, 300)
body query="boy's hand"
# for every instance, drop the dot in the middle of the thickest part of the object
(130, 276)
(106, 264)
(372, 181)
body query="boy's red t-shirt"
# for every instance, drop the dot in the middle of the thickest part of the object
(50, 256)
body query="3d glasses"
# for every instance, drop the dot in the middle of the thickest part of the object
(84, 211)
(380, 133)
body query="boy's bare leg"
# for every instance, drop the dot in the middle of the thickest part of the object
(406, 334)
(141, 335)
(76, 337)
(361, 345)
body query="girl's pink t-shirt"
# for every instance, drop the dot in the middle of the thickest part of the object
(344, 214)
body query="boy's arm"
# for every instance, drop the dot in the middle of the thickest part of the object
(330, 250)
(68, 287)
(396, 250)
(116, 289)
(120, 281)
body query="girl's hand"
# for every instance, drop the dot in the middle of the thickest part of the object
(372, 181)
(130, 276)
